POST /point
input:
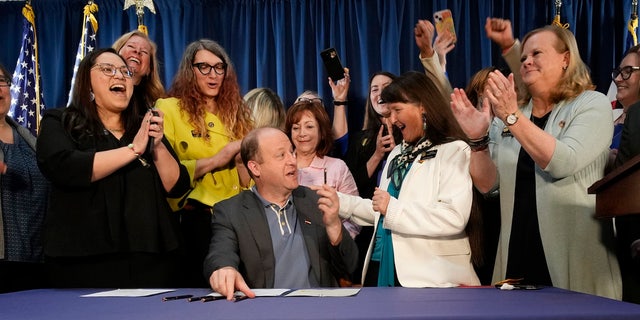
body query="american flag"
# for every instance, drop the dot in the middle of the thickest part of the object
(27, 100)
(87, 40)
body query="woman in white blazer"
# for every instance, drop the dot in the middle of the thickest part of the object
(424, 200)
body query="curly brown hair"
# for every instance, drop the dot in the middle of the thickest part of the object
(233, 112)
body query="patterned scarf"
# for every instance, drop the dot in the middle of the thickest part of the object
(399, 166)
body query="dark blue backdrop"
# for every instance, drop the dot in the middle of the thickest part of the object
(275, 43)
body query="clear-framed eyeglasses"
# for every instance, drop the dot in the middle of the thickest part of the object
(110, 70)
(219, 68)
(625, 72)
(5, 82)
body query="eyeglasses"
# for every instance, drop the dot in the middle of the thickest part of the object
(219, 68)
(111, 70)
(305, 99)
(5, 82)
(625, 72)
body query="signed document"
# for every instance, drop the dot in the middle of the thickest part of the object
(128, 293)
(324, 292)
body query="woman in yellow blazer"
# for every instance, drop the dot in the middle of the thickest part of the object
(205, 121)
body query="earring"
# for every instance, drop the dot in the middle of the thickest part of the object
(565, 68)
(91, 96)
(424, 122)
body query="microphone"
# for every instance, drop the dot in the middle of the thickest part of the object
(152, 139)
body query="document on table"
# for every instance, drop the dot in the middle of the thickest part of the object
(324, 292)
(128, 293)
(316, 292)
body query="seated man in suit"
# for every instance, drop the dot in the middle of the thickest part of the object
(278, 234)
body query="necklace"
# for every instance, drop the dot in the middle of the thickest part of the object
(116, 130)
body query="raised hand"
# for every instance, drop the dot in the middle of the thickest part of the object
(443, 44)
(423, 33)
(499, 31)
(340, 88)
(474, 122)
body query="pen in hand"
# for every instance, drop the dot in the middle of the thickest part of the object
(325, 175)
(240, 298)
(186, 296)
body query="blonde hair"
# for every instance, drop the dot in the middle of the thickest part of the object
(266, 108)
(150, 87)
(576, 78)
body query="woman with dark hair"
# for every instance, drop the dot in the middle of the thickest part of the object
(369, 147)
(108, 224)
(423, 203)
(23, 201)
(205, 122)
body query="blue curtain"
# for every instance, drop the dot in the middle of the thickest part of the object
(276, 43)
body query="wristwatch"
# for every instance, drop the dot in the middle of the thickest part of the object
(511, 119)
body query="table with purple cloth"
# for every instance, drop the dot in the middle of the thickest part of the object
(370, 303)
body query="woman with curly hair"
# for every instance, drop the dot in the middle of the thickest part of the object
(205, 121)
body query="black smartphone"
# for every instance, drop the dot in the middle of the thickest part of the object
(385, 132)
(332, 63)
(151, 139)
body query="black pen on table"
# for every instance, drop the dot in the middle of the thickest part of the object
(186, 296)
(240, 298)
(211, 298)
(192, 299)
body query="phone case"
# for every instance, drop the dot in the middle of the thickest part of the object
(332, 63)
(444, 22)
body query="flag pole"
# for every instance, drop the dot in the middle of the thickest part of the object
(87, 39)
(27, 101)
(556, 19)
(140, 5)
(632, 26)
(28, 13)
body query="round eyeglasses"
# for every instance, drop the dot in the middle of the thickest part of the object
(5, 82)
(625, 72)
(219, 68)
(111, 70)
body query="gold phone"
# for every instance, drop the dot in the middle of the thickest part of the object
(444, 23)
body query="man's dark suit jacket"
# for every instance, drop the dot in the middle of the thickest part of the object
(241, 239)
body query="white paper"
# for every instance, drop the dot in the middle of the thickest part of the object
(128, 293)
(340, 292)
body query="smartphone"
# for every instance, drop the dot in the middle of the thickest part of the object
(444, 23)
(385, 132)
(332, 63)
